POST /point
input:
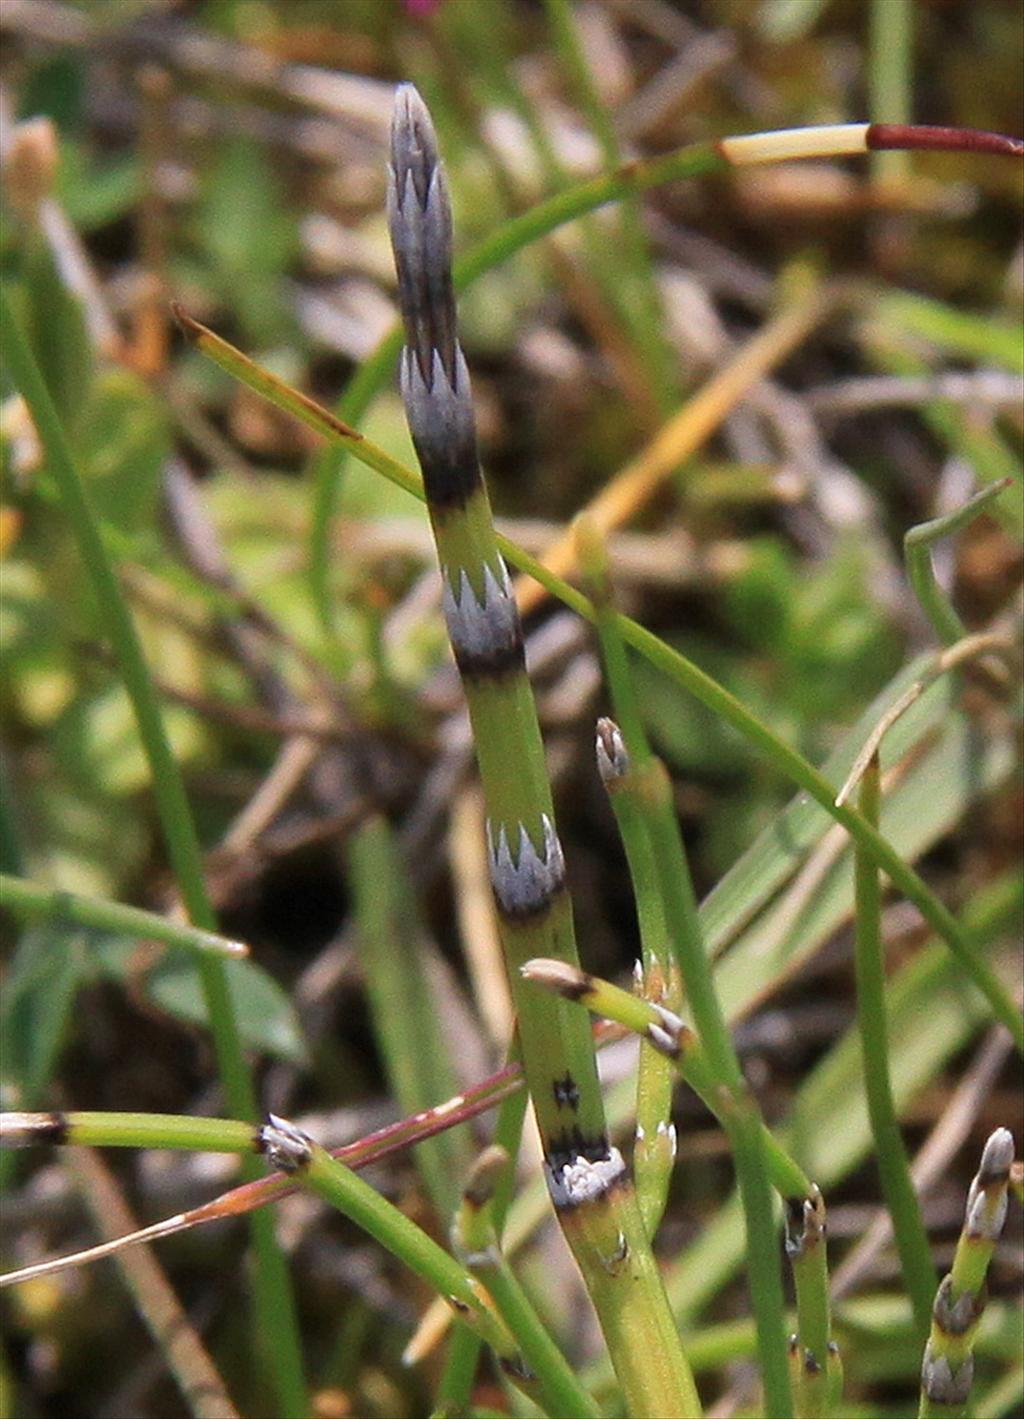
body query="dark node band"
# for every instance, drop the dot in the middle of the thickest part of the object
(566, 1092)
(441, 420)
(526, 887)
(573, 1143)
(54, 1128)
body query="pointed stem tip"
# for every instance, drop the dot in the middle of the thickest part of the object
(613, 762)
(558, 976)
(434, 378)
(996, 1157)
(419, 215)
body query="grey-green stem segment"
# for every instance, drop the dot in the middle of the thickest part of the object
(588, 1182)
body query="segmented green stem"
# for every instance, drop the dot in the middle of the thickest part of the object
(587, 1179)
(948, 1366)
(475, 1242)
(626, 766)
(658, 977)
(290, 1150)
(663, 657)
(737, 1108)
(814, 1356)
(667, 1033)
(128, 1130)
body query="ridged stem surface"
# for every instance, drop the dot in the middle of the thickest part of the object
(588, 1182)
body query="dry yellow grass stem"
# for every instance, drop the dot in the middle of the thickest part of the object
(683, 434)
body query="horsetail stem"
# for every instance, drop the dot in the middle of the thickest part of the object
(654, 1151)
(668, 1034)
(475, 1241)
(948, 1366)
(645, 814)
(290, 1150)
(525, 857)
(815, 1355)
(658, 653)
(587, 1178)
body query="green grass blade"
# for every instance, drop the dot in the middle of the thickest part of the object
(669, 661)
(873, 1021)
(938, 1014)
(406, 1025)
(890, 61)
(917, 545)
(32, 902)
(176, 821)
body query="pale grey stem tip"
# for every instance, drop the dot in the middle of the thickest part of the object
(986, 1201)
(414, 148)
(284, 1145)
(560, 976)
(613, 761)
(419, 216)
(997, 1156)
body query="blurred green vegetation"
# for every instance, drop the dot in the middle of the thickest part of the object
(257, 201)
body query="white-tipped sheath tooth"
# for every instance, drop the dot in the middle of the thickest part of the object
(613, 1262)
(437, 272)
(986, 1215)
(284, 1144)
(525, 887)
(406, 230)
(482, 1260)
(486, 635)
(669, 1019)
(939, 1382)
(580, 1181)
(956, 1317)
(406, 226)
(672, 1025)
(664, 1041)
(552, 847)
(437, 216)
(440, 415)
